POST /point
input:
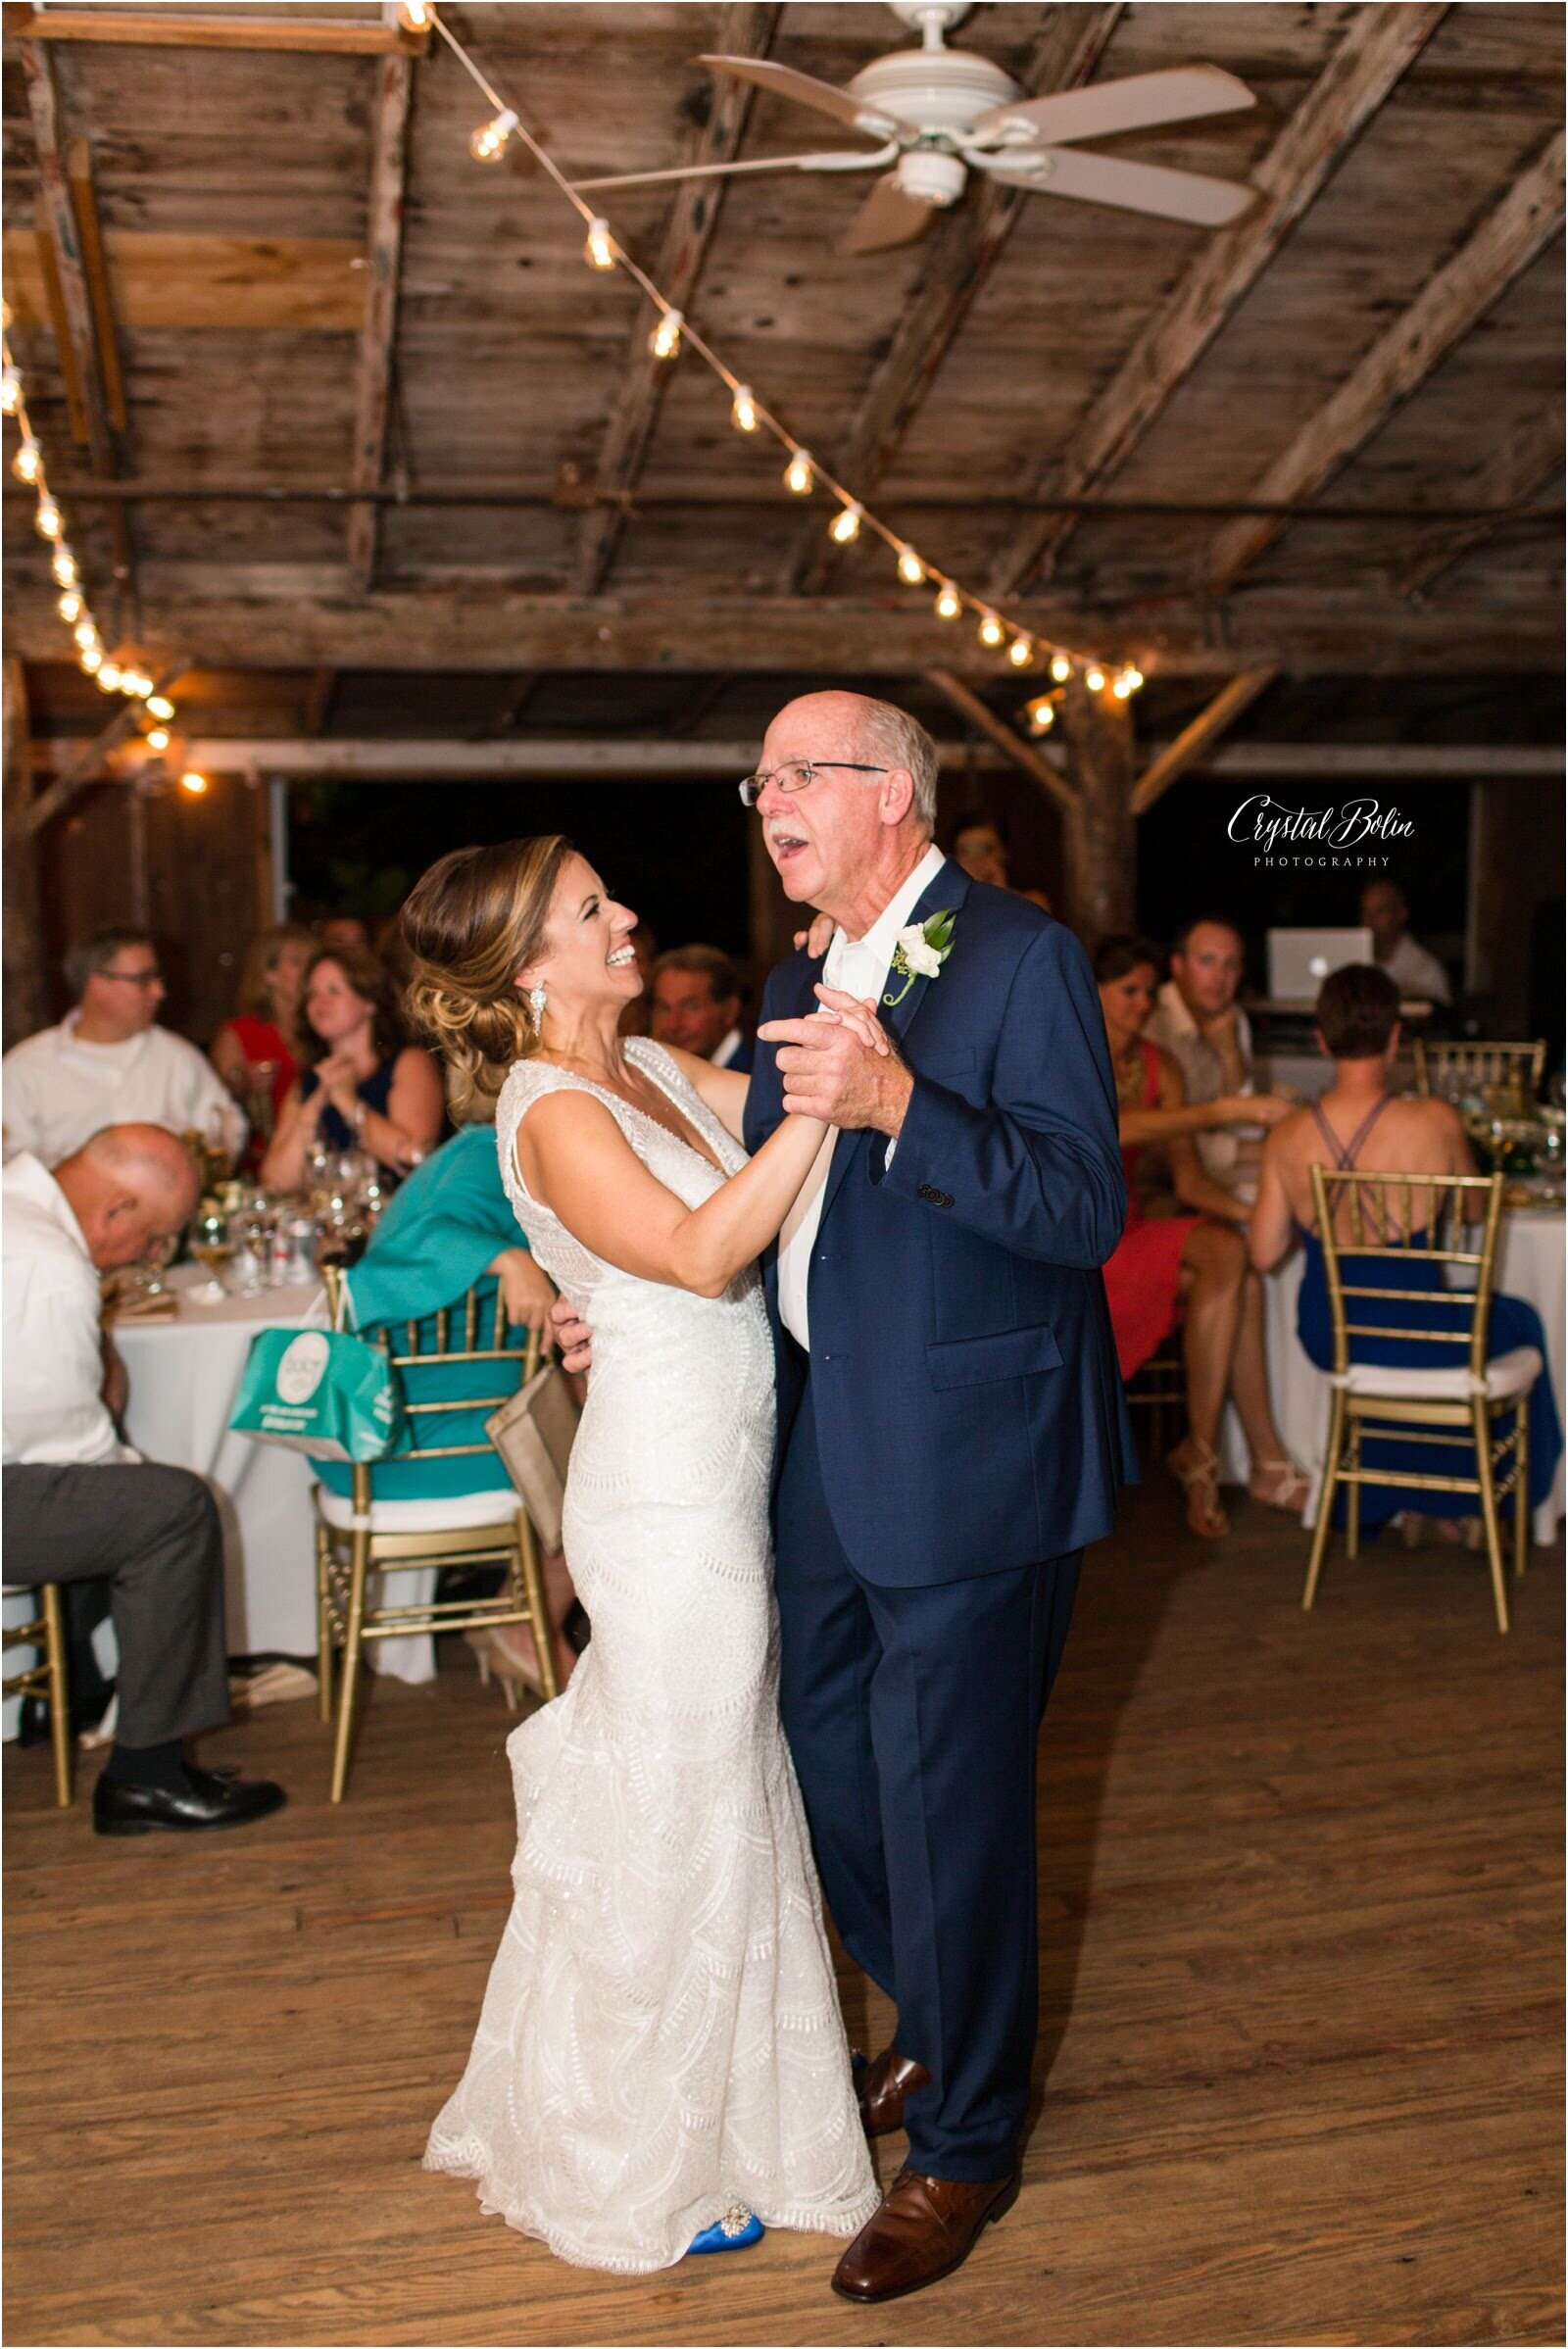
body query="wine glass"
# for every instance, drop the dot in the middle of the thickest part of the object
(252, 1232)
(153, 1263)
(211, 1243)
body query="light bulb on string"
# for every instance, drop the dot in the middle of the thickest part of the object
(948, 602)
(110, 677)
(665, 341)
(489, 143)
(90, 659)
(1020, 651)
(743, 409)
(1060, 667)
(845, 527)
(1042, 718)
(911, 571)
(28, 462)
(798, 474)
(991, 630)
(414, 16)
(65, 568)
(158, 705)
(48, 522)
(597, 251)
(1095, 679)
(70, 606)
(138, 682)
(192, 782)
(1132, 677)
(84, 631)
(10, 391)
(158, 738)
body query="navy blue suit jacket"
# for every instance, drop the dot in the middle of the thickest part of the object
(970, 1413)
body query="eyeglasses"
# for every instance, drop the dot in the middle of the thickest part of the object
(797, 773)
(135, 978)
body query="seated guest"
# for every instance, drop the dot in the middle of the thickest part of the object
(80, 1505)
(363, 1088)
(1358, 1122)
(697, 1006)
(1190, 1268)
(1415, 971)
(344, 930)
(978, 842)
(108, 1061)
(449, 1227)
(264, 1032)
(1197, 1020)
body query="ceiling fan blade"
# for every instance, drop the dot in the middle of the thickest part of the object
(1139, 102)
(1131, 186)
(785, 82)
(854, 160)
(887, 217)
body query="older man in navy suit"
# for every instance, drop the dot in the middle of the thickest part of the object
(952, 1430)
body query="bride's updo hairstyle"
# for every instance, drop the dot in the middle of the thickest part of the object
(470, 924)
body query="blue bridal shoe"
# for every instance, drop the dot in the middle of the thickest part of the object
(737, 2231)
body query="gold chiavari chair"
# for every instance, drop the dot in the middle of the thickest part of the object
(1472, 1070)
(1412, 1222)
(360, 1537)
(47, 1678)
(1158, 1386)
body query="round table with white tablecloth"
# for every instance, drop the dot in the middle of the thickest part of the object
(184, 1374)
(1531, 1258)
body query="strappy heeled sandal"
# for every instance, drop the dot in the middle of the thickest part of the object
(1290, 1491)
(1199, 1481)
(493, 1652)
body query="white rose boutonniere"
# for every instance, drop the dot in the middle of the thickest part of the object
(921, 953)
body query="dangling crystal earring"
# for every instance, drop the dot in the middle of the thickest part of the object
(537, 998)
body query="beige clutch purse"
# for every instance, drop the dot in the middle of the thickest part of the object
(533, 1434)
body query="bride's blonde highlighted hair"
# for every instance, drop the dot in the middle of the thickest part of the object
(470, 924)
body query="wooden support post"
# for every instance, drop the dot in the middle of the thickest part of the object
(1041, 771)
(372, 405)
(95, 268)
(1196, 739)
(1100, 834)
(25, 1005)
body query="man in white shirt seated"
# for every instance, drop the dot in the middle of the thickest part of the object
(697, 1006)
(80, 1505)
(1414, 970)
(107, 1063)
(1198, 1021)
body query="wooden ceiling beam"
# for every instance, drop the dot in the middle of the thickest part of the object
(88, 766)
(652, 760)
(1454, 300)
(963, 252)
(299, 283)
(1522, 464)
(95, 268)
(1030, 762)
(1194, 743)
(372, 394)
(1512, 626)
(1380, 45)
(745, 30)
(126, 28)
(61, 229)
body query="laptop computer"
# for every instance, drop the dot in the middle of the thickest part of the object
(1300, 961)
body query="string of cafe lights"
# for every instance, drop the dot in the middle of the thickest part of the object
(27, 465)
(673, 332)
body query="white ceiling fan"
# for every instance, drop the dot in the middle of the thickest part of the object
(941, 113)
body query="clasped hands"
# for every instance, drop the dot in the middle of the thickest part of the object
(838, 1065)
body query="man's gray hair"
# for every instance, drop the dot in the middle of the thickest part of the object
(892, 738)
(98, 952)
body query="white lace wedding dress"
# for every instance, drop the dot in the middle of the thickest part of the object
(660, 2037)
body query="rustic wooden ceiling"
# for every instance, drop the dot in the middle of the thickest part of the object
(1376, 348)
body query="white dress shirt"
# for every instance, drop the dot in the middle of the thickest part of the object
(856, 967)
(1416, 972)
(729, 1044)
(59, 1091)
(50, 1380)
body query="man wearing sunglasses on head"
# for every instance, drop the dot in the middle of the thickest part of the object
(109, 1063)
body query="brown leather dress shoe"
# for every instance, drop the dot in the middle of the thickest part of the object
(881, 2087)
(925, 2228)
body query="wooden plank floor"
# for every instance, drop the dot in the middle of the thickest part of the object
(1303, 1984)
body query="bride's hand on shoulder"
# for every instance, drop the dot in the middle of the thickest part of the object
(818, 938)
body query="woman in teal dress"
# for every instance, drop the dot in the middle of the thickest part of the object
(448, 1227)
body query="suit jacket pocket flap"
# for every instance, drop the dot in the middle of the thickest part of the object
(1010, 1354)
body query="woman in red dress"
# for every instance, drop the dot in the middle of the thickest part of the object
(257, 1052)
(1190, 1269)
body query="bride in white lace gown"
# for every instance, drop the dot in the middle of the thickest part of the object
(661, 2044)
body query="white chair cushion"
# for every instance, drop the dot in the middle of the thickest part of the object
(453, 1512)
(1507, 1375)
